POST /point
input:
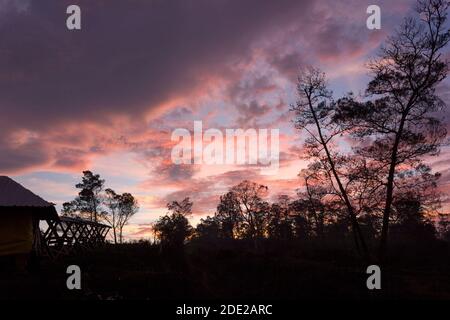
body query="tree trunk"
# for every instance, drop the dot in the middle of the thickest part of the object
(359, 238)
(390, 193)
(115, 235)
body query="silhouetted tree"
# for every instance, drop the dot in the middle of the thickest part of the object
(444, 226)
(314, 114)
(208, 229)
(184, 207)
(301, 226)
(314, 201)
(111, 201)
(396, 117)
(120, 209)
(229, 215)
(253, 209)
(174, 228)
(280, 224)
(128, 207)
(88, 202)
(410, 222)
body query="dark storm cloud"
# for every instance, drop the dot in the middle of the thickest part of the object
(129, 55)
(129, 58)
(29, 154)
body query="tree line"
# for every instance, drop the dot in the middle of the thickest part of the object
(245, 213)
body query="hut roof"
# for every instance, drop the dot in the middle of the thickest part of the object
(83, 221)
(17, 199)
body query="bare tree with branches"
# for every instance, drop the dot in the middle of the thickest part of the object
(396, 119)
(314, 114)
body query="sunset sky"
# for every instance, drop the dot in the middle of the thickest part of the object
(107, 98)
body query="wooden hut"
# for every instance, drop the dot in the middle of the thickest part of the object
(20, 213)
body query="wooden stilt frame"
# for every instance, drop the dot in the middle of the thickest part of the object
(67, 234)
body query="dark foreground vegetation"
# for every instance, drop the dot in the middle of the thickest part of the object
(237, 270)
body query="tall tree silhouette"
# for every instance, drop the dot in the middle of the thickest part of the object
(229, 215)
(111, 200)
(314, 114)
(88, 202)
(396, 117)
(120, 209)
(252, 207)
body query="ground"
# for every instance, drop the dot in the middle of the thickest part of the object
(236, 270)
